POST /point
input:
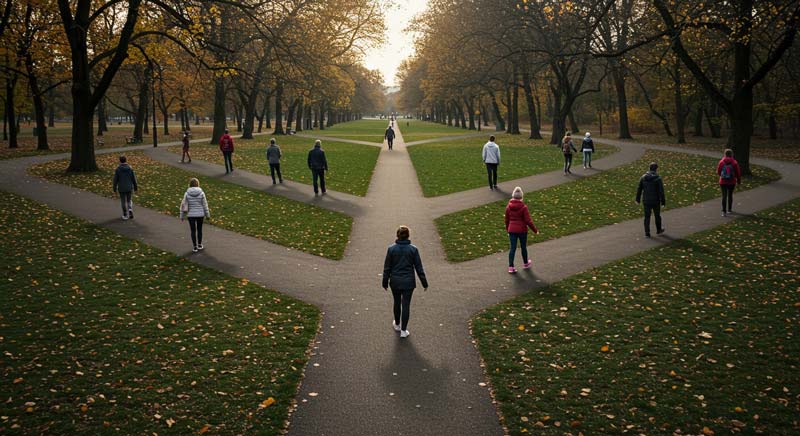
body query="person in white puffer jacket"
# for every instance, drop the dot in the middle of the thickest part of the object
(195, 207)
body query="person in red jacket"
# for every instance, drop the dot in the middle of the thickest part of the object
(518, 220)
(226, 147)
(729, 176)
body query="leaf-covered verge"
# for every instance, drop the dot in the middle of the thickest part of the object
(351, 165)
(369, 130)
(588, 203)
(415, 130)
(454, 166)
(276, 219)
(103, 334)
(696, 337)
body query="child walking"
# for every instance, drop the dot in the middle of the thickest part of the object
(185, 141)
(195, 207)
(518, 220)
(125, 183)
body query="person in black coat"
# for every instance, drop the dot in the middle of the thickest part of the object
(389, 135)
(318, 165)
(125, 182)
(402, 259)
(651, 193)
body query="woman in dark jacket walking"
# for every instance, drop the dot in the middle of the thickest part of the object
(402, 259)
(730, 175)
(518, 220)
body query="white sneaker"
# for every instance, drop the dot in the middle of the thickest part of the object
(124, 217)
(395, 326)
(404, 333)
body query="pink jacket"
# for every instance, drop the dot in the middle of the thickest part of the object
(518, 218)
(736, 175)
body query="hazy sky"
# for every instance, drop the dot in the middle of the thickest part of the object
(399, 44)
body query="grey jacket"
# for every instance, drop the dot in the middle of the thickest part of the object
(402, 259)
(652, 187)
(274, 154)
(195, 198)
(491, 153)
(125, 179)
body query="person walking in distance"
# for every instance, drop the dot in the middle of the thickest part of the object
(491, 157)
(587, 147)
(518, 221)
(318, 164)
(389, 135)
(226, 147)
(125, 182)
(194, 206)
(651, 193)
(730, 175)
(274, 159)
(402, 259)
(567, 147)
(185, 141)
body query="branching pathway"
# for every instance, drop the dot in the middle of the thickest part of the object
(362, 379)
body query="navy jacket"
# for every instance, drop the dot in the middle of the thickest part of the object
(316, 159)
(652, 187)
(389, 133)
(402, 259)
(587, 144)
(125, 179)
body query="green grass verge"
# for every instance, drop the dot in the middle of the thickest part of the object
(351, 165)
(361, 130)
(276, 219)
(587, 203)
(416, 130)
(696, 337)
(454, 166)
(102, 334)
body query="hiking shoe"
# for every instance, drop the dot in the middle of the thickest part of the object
(194, 249)
(125, 217)
(404, 333)
(200, 246)
(527, 264)
(395, 326)
(660, 231)
(512, 270)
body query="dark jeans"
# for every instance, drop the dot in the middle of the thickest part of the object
(275, 167)
(126, 200)
(727, 197)
(523, 245)
(196, 230)
(567, 161)
(491, 170)
(402, 298)
(656, 210)
(318, 174)
(226, 155)
(390, 141)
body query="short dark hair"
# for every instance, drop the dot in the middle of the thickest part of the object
(403, 233)
(653, 166)
(123, 159)
(226, 130)
(491, 137)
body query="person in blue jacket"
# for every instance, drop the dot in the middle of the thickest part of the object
(402, 259)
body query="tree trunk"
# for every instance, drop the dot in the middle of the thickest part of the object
(237, 116)
(101, 117)
(471, 110)
(279, 110)
(219, 110)
(499, 123)
(165, 115)
(264, 111)
(698, 122)
(573, 125)
(290, 115)
(534, 120)
(12, 122)
(140, 119)
(322, 112)
(773, 126)
(51, 114)
(38, 103)
(680, 118)
(298, 124)
(742, 128)
(618, 75)
(461, 114)
(515, 108)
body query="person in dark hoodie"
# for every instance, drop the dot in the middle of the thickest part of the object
(195, 207)
(651, 193)
(125, 184)
(389, 135)
(730, 175)
(274, 158)
(402, 259)
(318, 165)
(518, 220)
(226, 147)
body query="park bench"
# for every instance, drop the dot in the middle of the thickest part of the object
(100, 141)
(132, 140)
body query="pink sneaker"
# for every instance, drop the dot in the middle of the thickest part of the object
(512, 270)
(527, 264)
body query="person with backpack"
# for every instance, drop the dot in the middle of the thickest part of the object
(389, 136)
(730, 175)
(226, 147)
(318, 164)
(125, 182)
(518, 220)
(491, 158)
(651, 193)
(587, 147)
(274, 158)
(567, 147)
(185, 141)
(194, 206)
(402, 259)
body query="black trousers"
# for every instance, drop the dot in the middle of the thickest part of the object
(402, 306)
(567, 161)
(727, 197)
(655, 209)
(390, 141)
(196, 230)
(318, 174)
(226, 155)
(491, 171)
(275, 167)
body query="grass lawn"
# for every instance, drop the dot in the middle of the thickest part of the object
(587, 203)
(102, 334)
(351, 165)
(454, 166)
(285, 222)
(416, 130)
(370, 130)
(696, 337)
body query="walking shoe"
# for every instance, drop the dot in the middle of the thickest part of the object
(491, 188)
(130, 214)
(512, 270)
(723, 213)
(404, 333)
(200, 246)
(647, 235)
(125, 217)
(281, 181)
(395, 326)
(660, 231)
(194, 249)
(495, 186)
(527, 264)
(273, 182)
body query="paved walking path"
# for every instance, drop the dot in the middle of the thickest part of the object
(365, 379)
